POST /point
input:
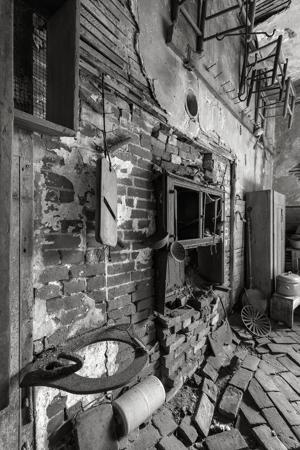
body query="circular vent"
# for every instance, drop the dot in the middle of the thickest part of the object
(191, 104)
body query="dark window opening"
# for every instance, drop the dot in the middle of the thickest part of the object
(188, 214)
(46, 60)
(212, 215)
(30, 59)
(211, 263)
(191, 104)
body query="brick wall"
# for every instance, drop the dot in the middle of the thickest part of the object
(79, 284)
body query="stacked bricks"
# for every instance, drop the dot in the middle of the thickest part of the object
(182, 335)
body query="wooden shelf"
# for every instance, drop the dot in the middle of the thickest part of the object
(43, 126)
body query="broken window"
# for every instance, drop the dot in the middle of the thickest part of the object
(46, 63)
(193, 213)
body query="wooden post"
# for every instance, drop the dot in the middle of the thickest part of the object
(6, 132)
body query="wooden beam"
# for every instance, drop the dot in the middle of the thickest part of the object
(6, 133)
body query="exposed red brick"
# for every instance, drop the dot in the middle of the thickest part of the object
(75, 285)
(72, 301)
(119, 302)
(62, 241)
(119, 313)
(147, 303)
(87, 270)
(99, 295)
(95, 283)
(114, 269)
(54, 274)
(140, 193)
(145, 140)
(137, 150)
(49, 291)
(50, 257)
(116, 280)
(72, 256)
(121, 290)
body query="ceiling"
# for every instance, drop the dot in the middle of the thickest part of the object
(287, 23)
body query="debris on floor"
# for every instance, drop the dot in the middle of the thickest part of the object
(246, 398)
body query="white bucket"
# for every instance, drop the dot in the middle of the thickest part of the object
(139, 403)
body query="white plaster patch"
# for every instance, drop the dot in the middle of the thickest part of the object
(92, 319)
(94, 360)
(37, 266)
(43, 323)
(124, 211)
(144, 256)
(122, 168)
(43, 397)
(112, 352)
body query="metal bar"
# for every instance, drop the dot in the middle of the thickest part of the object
(224, 11)
(286, 101)
(190, 20)
(200, 39)
(213, 36)
(277, 55)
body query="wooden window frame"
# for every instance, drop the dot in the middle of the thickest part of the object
(63, 30)
(171, 181)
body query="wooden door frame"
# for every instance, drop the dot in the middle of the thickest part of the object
(6, 136)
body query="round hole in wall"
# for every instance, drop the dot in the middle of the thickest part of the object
(191, 104)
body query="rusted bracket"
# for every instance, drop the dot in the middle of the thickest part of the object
(58, 378)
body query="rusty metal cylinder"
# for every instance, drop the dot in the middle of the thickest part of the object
(139, 403)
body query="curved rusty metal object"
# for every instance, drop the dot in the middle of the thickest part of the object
(77, 384)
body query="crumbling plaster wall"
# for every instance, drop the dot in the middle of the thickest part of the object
(287, 157)
(171, 81)
(286, 168)
(77, 284)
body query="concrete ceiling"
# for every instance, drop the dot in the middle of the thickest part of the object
(287, 23)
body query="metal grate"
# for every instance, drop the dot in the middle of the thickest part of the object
(39, 75)
(30, 59)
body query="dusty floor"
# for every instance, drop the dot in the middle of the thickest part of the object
(265, 372)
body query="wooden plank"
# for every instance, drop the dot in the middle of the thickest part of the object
(203, 415)
(286, 389)
(285, 407)
(281, 428)
(63, 64)
(210, 389)
(6, 133)
(106, 212)
(265, 381)
(260, 203)
(252, 416)
(292, 381)
(273, 361)
(98, 46)
(284, 339)
(34, 123)
(99, 13)
(230, 402)
(290, 365)
(268, 368)
(279, 348)
(267, 439)
(251, 363)
(278, 234)
(228, 440)
(295, 356)
(259, 396)
(26, 243)
(241, 379)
